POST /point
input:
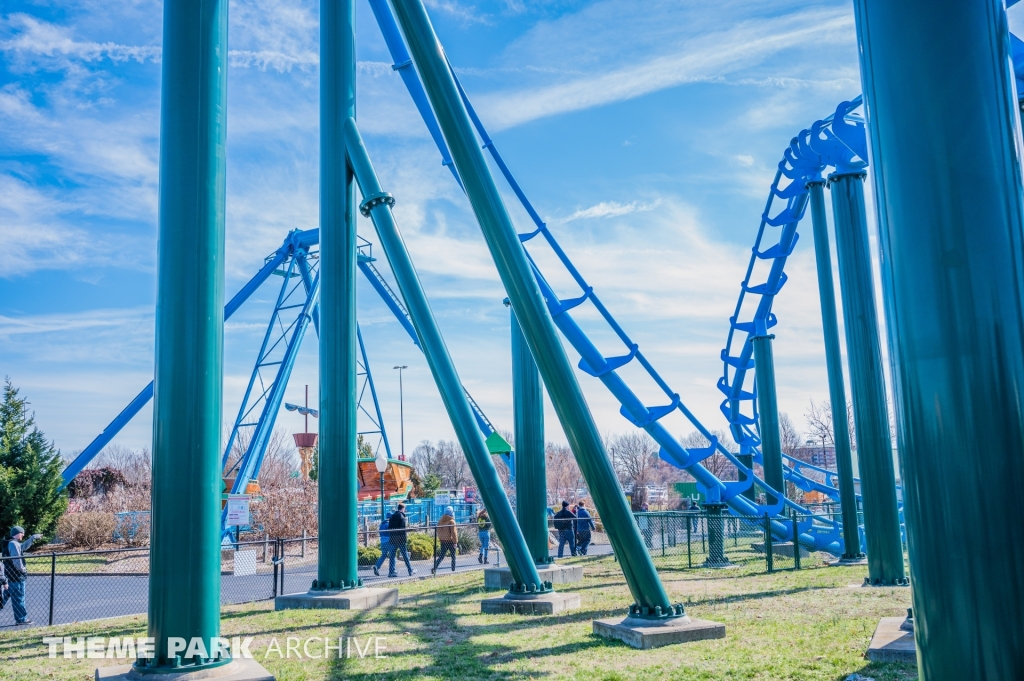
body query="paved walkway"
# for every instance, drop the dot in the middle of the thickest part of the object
(84, 598)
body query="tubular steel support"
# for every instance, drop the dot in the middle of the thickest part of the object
(377, 205)
(184, 583)
(768, 413)
(867, 383)
(951, 219)
(531, 467)
(338, 486)
(514, 268)
(836, 386)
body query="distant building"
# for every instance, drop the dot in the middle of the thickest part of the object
(822, 457)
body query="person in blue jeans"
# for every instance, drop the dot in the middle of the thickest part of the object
(584, 526)
(483, 524)
(565, 525)
(386, 547)
(16, 571)
(397, 525)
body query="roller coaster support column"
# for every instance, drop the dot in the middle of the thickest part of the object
(870, 412)
(768, 412)
(377, 205)
(184, 585)
(836, 385)
(531, 469)
(951, 216)
(337, 475)
(651, 599)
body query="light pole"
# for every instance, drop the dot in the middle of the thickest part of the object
(401, 409)
(381, 463)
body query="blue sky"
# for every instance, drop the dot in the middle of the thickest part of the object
(647, 138)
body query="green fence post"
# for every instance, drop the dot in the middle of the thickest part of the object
(689, 553)
(769, 559)
(651, 599)
(796, 543)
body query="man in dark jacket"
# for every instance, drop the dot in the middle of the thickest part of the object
(16, 571)
(584, 526)
(397, 536)
(565, 525)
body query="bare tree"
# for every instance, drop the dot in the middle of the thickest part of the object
(790, 436)
(446, 460)
(564, 475)
(717, 464)
(279, 459)
(819, 420)
(635, 456)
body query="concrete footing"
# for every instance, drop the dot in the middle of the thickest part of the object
(349, 599)
(841, 562)
(501, 577)
(645, 634)
(240, 669)
(892, 643)
(550, 603)
(783, 549)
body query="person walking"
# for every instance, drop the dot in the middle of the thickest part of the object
(386, 547)
(448, 536)
(565, 525)
(584, 526)
(16, 572)
(483, 525)
(398, 525)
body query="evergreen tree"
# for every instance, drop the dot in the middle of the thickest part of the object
(30, 470)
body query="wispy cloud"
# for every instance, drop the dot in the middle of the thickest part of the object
(708, 58)
(608, 209)
(41, 38)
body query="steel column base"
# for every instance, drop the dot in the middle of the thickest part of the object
(647, 634)
(891, 643)
(241, 669)
(550, 603)
(501, 577)
(351, 599)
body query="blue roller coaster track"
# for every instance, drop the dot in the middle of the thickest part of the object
(837, 141)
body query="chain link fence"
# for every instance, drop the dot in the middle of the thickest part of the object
(85, 585)
(687, 540)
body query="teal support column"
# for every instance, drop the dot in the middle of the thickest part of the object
(748, 461)
(184, 583)
(377, 205)
(867, 383)
(538, 328)
(836, 384)
(338, 483)
(948, 189)
(531, 466)
(768, 413)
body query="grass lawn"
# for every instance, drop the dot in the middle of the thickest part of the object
(803, 626)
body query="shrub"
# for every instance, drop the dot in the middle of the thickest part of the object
(89, 529)
(369, 555)
(468, 542)
(420, 545)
